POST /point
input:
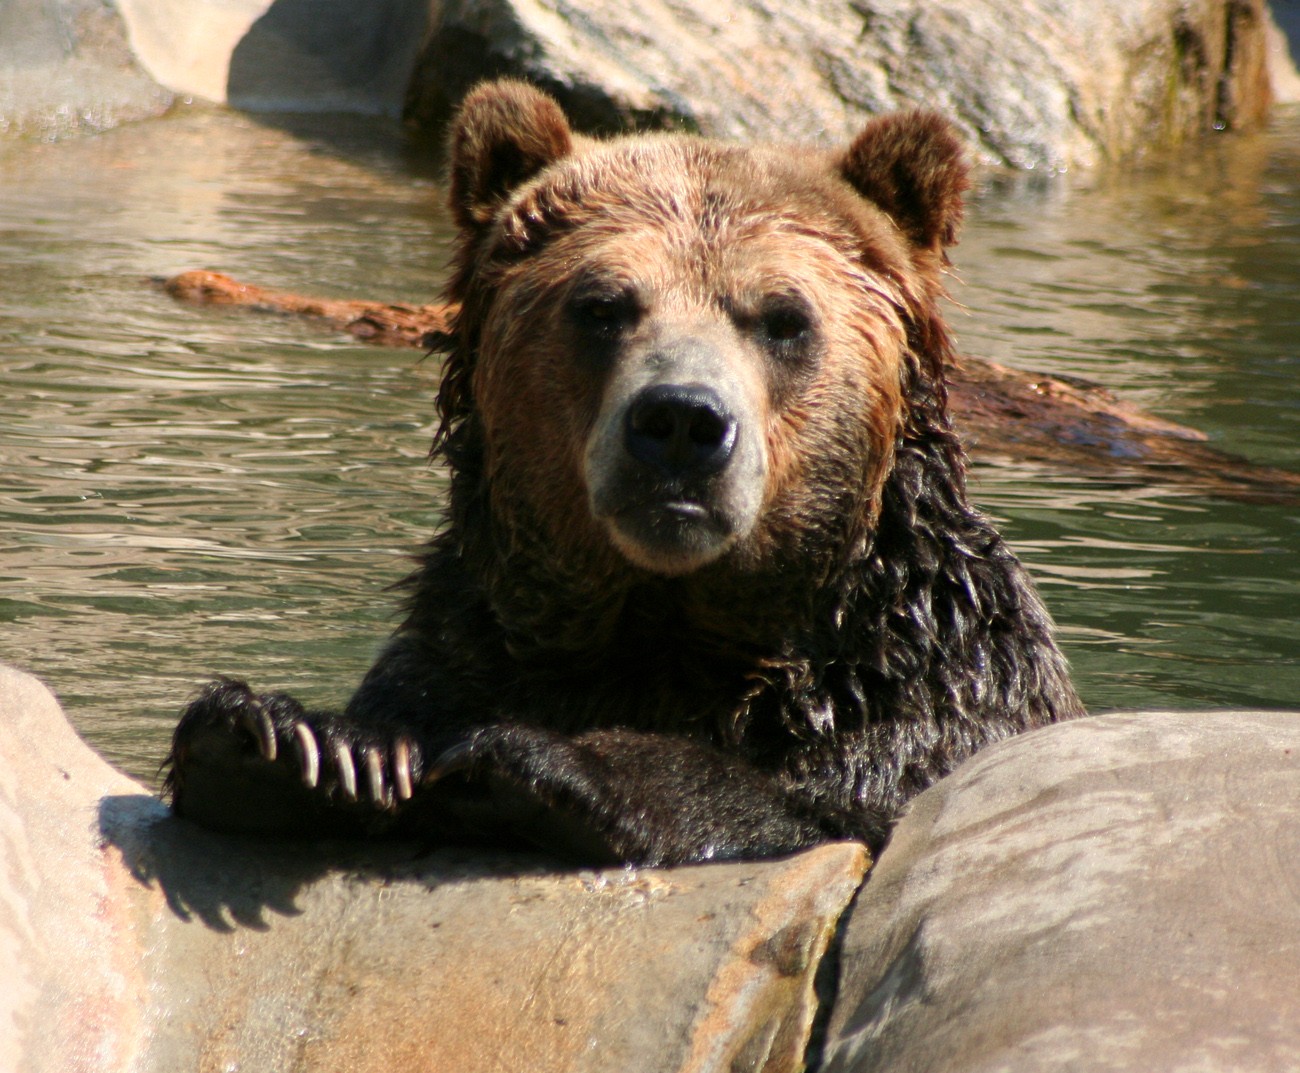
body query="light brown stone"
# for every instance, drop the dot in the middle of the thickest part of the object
(133, 941)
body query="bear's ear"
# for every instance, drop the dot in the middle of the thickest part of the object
(504, 133)
(911, 164)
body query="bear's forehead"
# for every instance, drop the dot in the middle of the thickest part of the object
(661, 201)
(700, 180)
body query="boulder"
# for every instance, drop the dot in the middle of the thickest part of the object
(66, 67)
(286, 55)
(187, 44)
(1119, 893)
(1116, 893)
(133, 941)
(1283, 45)
(1056, 84)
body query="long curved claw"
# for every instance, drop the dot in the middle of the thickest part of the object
(375, 776)
(402, 769)
(346, 768)
(457, 758)
(308, 754)
(259, 724)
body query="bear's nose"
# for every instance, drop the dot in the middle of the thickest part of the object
(680, 429)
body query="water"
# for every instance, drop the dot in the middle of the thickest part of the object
(186, 492)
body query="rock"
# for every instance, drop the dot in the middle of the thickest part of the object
(133, 941)
(290, 55)
(187, 44)
(1116, 893)
(66, 67)
(1059, 84)
(1119, 893)
(73, 989)
(1283, 42)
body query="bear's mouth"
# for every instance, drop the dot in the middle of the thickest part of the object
(687, 510)
(670, 536)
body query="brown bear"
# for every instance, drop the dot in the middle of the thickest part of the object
(710, 584)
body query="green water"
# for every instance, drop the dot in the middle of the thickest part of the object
(186, 492)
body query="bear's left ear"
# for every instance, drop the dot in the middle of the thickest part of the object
(504, 133)
(911, 164)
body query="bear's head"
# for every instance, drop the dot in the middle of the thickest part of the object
(676, 357)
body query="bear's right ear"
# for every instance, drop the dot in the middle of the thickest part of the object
(504, 133)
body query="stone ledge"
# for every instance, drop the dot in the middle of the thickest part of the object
(134, 941)
(1117, 893)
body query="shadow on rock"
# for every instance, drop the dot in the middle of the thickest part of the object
(229, 882)
(328, 56)
(226, 882)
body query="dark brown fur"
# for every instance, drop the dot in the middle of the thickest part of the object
(710, 584)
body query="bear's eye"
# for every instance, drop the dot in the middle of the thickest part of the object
(604, 313)
(785, 322)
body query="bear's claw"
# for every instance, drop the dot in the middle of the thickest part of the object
(230, 726)
(256, 721)
(459, 757)
(346, 768)
(386, 774)
(402, 769)
(308, 754)
(374, 768)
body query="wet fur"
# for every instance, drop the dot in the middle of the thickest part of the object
(864, 635)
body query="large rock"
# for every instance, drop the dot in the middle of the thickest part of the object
(1052, 83)
(1120, 893)
(290, 55)
(1048, 83)
(1284, 45)
(66, 67)
(132, 941)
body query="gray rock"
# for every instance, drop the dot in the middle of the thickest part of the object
(133, 941)
(187, 44)
(1120, 893)
(1283, 46)
(66, 67)
(1057, 83)
(290, 55)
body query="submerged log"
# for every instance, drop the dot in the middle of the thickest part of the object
(381, 323)
(1003, 414)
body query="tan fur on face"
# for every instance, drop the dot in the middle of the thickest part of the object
(704, 234)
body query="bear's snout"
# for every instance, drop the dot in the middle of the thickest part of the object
(676, 461)
(681, 430)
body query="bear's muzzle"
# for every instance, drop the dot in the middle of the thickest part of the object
(676, 462)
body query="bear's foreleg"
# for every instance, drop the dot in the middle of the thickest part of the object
(623, 796)
(261, 764)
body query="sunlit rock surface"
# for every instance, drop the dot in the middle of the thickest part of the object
(1119, 893)
(1048, 84)
(132, 941)
(286, 55)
